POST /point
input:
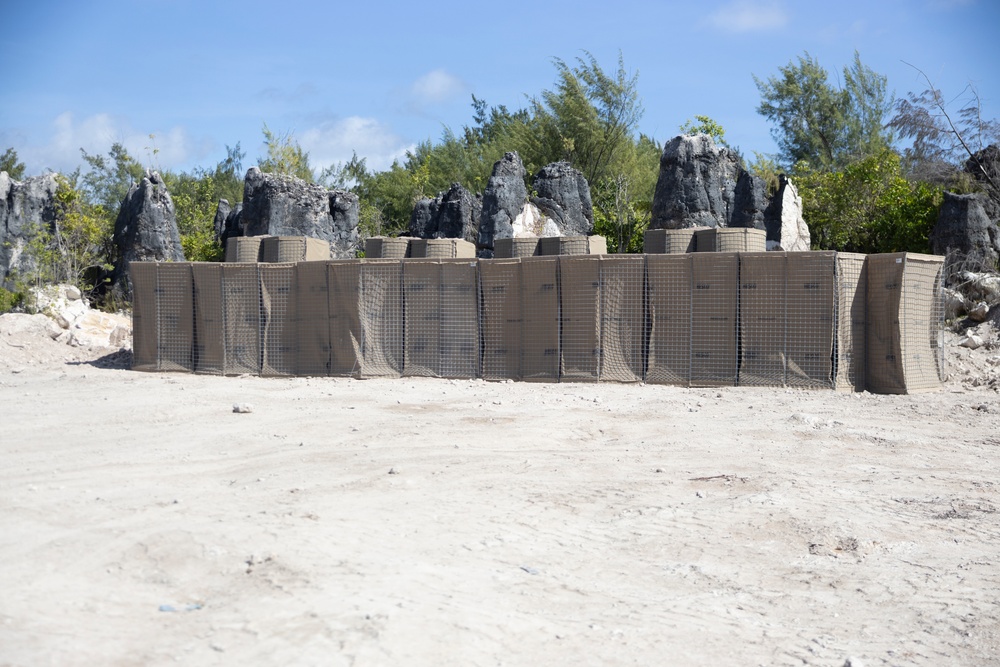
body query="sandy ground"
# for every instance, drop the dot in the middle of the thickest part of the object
(435, 522)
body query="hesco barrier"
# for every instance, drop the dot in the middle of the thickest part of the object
(811, 319)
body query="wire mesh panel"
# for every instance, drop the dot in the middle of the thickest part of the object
(145, 355)
(175, 316)
(668, 241)
(279, 338)
(623, 318)
(346, 332)
(715, 278)
(669, 289)
(810, 319)
(540, 309)
(704, 239)
(280, 249)
(459, 319)
(422, 321)
(563, 245)
(312, 319)
(762, 319)
(515, 248)
(388, 247)
(851, 304)
(500, 317)
(904, 323)
(580, 318)
(381, 313)
(442, 248)
(209, 329)
(740, 239)
(241, 318)
(243, 248)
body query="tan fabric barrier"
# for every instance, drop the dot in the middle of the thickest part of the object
(312, 317)
(763, 331)
(515, 248)
(145, 301)
(279, 340)
(243, 248)
(540, 299)
(345, 308)
(669, 241)
(669, 291)
(280, 249)
(385, 247)
(810, 292)
(572, 245)
(904, 350)
(241, 317)
(460, 335)
(623, 318)
(580, 318)
(175, 316)
(209, 328)
(851, 342)
(501, 318)
(441, 248)
(422, 321)
(715, 278)
(381, 313)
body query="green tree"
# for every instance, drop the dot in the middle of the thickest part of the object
(10, 164)
(822, 126)
(285, 156)
(108, 179)
(705, 125)
(869, 206)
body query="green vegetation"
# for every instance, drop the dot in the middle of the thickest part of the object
(837, 140)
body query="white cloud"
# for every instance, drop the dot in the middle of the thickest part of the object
(95, 134)
(437, 86)
(335, 141)
(749, 16)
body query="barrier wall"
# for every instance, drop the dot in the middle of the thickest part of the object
(384, 247)
(811, 319)
(669, 241)
(515, 248)
(279, 249)
(243, 248)
(442, 248)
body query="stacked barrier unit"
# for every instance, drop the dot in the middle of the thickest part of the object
(442, 248)
(669, 241)
(783, 319)
(243, 248)
(281, 249)
(386, 247)
(515, 248)
(572, 245)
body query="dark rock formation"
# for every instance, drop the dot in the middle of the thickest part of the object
(696, 185)
(281, 205)
(964, 226)
(26, 207)
(503, 201)
(233, 225)
(222, 211)
(458, 215)
(984, 167)
(564, 196)
(749, 201)
(423, 220)
(146, 228)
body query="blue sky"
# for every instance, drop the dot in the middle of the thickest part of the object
(378, 77)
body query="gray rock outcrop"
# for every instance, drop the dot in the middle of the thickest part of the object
(25, 207)
(749, 201)
(696, 185)
(146, 227)
(454, 214)
(564, 196)
(786, 228)
(282, 205)
(503, 200)
(964, 226)
(222, 211)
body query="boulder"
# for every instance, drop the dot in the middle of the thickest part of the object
(458, 215)
(282, 205)
(564, 197)
(222, 212)
(749, 201)
(503, 200)
(423, 219)
(786, 228)
(696, 184)
(25, 207)
(146, 228)
(233, 226)
(963, 226)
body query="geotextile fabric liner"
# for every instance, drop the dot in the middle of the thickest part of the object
(442, 248)
(715, 278)
(580, 318)
(572, 245)
(515, 248)
(623, 318)
(312, 319)
(380, 309)
(209, 327)
(145, 341)
(241, 318)
(540, 360)
(669, 241)
(385, 247)
(346, 333)
(280, 249)
(762, 319)
(175, 316)
(668, 298)
(905, 350)
(243, 248)
(279, 339)
(501, 319)
(852, 320)
(460, 335)
(740, 239)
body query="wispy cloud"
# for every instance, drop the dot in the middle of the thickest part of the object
(741, 16)
(337, 140)
(95, 134)
(437, 86)
(299, 93)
